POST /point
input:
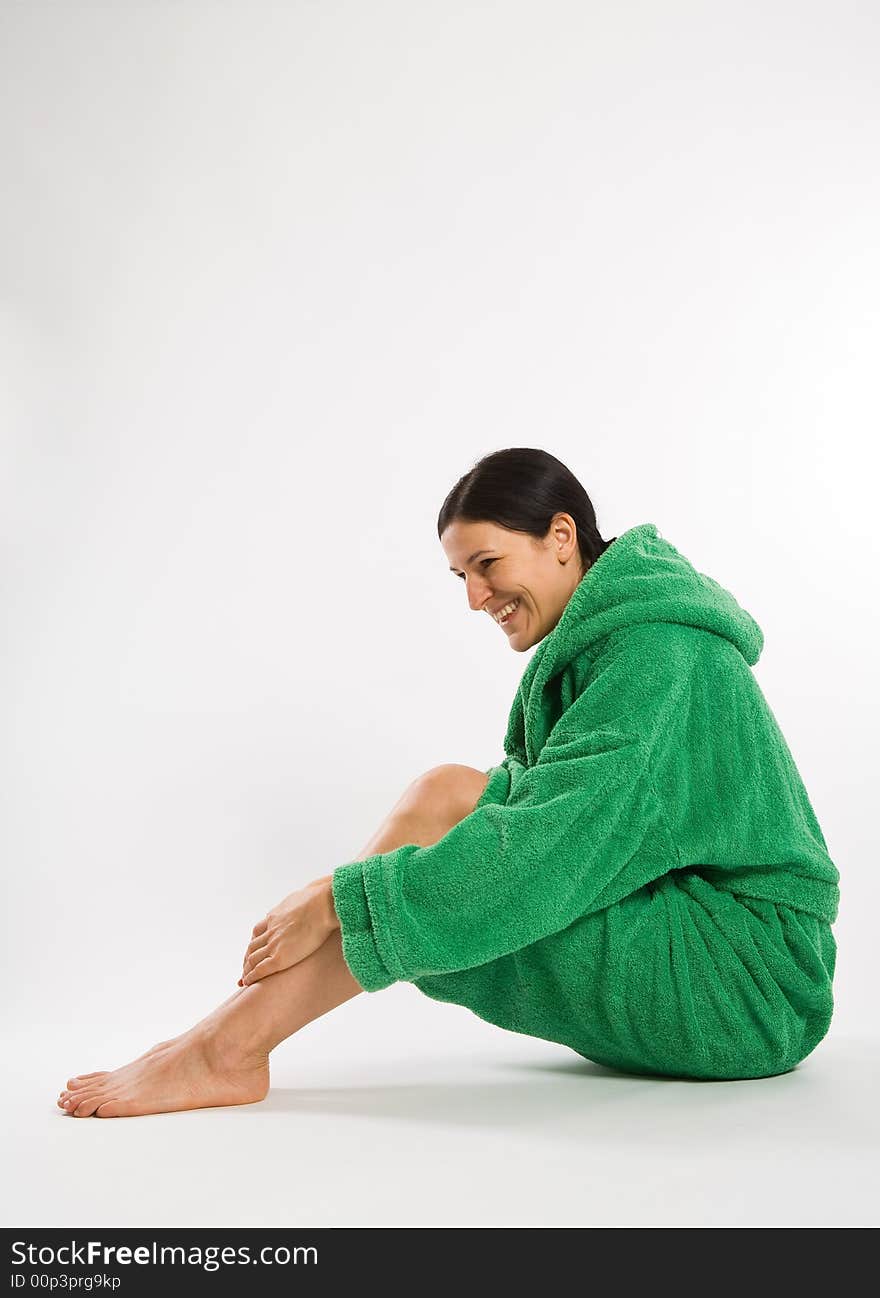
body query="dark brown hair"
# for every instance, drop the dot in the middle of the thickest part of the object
(522, 488)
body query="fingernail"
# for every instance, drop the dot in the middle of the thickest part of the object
(240, 983)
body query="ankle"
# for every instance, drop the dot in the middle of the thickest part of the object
(231, 1045)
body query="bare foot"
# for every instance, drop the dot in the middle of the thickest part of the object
(192, 1071)
(224, 1059)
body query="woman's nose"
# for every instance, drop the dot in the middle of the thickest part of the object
(478, 594)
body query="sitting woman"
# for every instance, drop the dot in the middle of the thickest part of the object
(641, 879)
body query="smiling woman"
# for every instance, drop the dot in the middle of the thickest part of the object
(523, 552)
(641, 879)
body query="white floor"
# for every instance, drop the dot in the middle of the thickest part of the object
(396, 1110)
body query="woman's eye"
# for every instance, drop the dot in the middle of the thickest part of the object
(482, 561)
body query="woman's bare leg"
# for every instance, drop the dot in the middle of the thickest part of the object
(224, 1058)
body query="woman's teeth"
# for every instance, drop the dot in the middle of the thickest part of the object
(504, 613)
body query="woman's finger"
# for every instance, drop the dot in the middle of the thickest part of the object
(260, 970)
(250, 961)
(256, 944)
(260, 927)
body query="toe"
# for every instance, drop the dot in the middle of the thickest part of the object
(112, 1109)
(84, 1106)
(81, 1079)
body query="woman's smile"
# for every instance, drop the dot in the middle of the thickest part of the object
(504, 620)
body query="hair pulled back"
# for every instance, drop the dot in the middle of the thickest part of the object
(521, 488)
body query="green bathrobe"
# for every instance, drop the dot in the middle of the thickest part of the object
(644, 879)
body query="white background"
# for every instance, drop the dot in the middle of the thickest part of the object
(274, 276)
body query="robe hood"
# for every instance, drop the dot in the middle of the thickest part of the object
(640, 577)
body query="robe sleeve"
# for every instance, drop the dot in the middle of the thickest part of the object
(541, 845)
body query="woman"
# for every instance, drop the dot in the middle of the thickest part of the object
(641, 879)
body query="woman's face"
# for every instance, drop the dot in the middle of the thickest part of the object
(499, 566)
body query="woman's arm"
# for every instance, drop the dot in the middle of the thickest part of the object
(578, 829)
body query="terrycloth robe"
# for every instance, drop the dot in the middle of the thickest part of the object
(643, 879)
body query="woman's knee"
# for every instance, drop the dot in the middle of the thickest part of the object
(451, 789)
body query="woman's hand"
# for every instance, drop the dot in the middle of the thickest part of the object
(292, 930)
